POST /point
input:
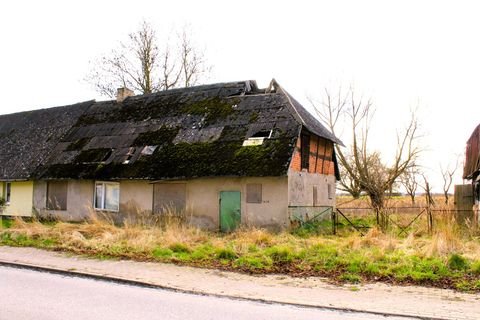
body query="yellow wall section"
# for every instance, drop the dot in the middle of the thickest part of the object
(21, 199)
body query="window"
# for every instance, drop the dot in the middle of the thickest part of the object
(330, 191)
(257, 138)
(107, 196)
(315, 196)
(254, 193)
(262, 134)
(57, 195)
(305, 151)
(7, 192)
(148, 150)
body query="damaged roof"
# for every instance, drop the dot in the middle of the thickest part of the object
(27, 138)
(471, 169)
(176, 134)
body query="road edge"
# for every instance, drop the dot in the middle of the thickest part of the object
(126, 281)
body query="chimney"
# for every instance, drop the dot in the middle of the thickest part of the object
(123, 93)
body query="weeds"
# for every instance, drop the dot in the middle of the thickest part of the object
(445, 259)
(457, 262)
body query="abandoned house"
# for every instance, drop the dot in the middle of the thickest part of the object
(471, 170)
(224, 154)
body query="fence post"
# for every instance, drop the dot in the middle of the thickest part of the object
(429, 214)
(431, 221)
(334, 221)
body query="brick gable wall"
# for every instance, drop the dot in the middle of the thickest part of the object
(320, 156)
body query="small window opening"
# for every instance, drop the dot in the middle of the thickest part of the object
(257, 138)
(8, 192)
(305, 151)
(263, 134)
(130, 153)
(148, 150)
(315, 196)
(330, 191)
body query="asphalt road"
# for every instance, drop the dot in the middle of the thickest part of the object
(27, 294)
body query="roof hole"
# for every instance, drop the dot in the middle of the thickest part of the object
(148, 150)
(107, 155)
(262, 134)
(130, 153)
(257, 138)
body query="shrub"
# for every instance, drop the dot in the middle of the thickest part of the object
(280, 254)
(180, 248)
(260, 262)
(457, 262)
(476, 267)
(226, 254)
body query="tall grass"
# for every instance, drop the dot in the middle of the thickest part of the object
(449, 257)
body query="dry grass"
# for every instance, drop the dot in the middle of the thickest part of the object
(416, 257)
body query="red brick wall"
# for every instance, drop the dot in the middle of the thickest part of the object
(321, 156)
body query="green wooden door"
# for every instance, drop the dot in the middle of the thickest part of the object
(229, 210)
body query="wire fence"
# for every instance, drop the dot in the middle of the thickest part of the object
(403, 220)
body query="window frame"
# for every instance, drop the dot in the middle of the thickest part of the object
(103, 201)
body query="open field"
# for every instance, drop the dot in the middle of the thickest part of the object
(448, 258)
(407, 217)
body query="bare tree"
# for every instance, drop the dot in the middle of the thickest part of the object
(430, 203)
(142, 66)
(409, 181)
(348, 183)
(366, 167)
(447, 175)
(192, 61)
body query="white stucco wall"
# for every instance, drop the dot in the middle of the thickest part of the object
(203, 201)
(301, 188)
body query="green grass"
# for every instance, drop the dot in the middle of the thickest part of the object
(350, 259)
(180, 248)
(162, 253)
(5, 223)
(457, 262)
(226, 254)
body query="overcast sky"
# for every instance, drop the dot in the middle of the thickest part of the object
(399, 53)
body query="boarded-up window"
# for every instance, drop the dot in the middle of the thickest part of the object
(254, 193)
(169, 197)
(305, 151)
(57, 195)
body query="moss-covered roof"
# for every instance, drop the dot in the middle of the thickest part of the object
(182, 133)
(27, 138)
